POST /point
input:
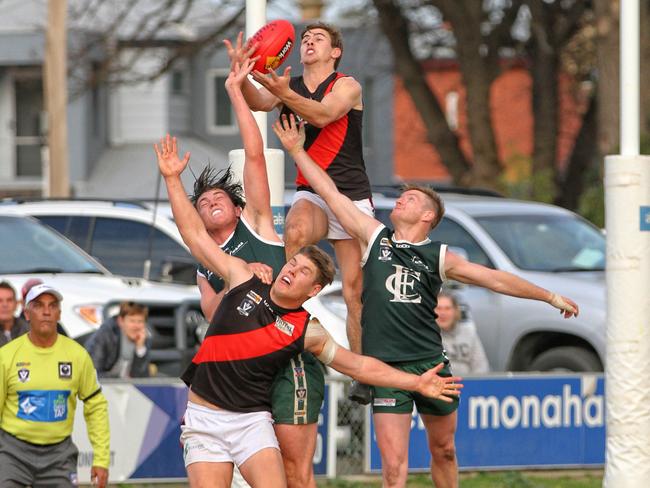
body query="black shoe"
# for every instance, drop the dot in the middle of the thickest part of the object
(360, 393)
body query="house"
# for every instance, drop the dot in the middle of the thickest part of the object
(111, 129)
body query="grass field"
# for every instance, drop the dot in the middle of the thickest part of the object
(507, 479)
(510, 479)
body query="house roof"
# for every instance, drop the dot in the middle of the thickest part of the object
(109, 177)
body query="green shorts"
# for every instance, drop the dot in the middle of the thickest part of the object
(392, 400)
(298, 391)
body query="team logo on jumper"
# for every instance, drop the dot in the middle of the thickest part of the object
(248, 304)
(23, 375)
(401, 285)
(284, 326)
(65, 370)
(301, 393)
(298, 371)
(385, 253)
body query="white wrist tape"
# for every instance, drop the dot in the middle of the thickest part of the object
(316, 329)
(558, 302)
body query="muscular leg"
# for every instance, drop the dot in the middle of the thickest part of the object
(440, 434)
(392, 431)
(348, 255)
(209, 475)
(264, 469)
(298, 444)
(306, 224)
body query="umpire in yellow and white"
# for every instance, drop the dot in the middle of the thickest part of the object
(42, 374)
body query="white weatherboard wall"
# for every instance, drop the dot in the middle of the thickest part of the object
(139, 112)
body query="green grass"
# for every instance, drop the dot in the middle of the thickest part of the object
(505, 479)
(509, 479)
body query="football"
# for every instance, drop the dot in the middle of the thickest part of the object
(275, 41)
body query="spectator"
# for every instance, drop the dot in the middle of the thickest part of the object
(119, 349)
(10, 326)
(460, 338)
(41, 376)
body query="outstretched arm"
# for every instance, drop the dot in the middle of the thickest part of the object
(201, 245)
(344, 96)
(258, 198)
(371, 371)
(460, 269)
(259, 100)
(353, 220)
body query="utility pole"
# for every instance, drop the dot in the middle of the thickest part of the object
(55, 83)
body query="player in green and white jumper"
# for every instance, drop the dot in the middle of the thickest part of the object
(402, 274)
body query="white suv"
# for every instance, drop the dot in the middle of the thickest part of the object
(129, 238)
(32, 250)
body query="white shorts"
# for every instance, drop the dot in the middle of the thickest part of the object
(335, 230)
(221, 436)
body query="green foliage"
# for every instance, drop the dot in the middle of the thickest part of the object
(518, 180)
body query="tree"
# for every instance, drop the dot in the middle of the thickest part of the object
(107, 30)
(483, 32)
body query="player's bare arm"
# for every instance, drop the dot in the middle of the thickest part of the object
(353, 220)
(371, 371)
(257, 99)
(345, 95)
(188, 221)
(459, 269)
(258, 197)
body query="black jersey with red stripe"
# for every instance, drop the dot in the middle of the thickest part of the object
(249, 340)
(337, 147)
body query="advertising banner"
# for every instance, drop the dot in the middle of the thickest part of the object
(518, 422)
(145, 429)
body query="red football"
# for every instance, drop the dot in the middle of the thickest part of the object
(275, 41)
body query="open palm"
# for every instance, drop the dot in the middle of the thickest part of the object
(168, 161)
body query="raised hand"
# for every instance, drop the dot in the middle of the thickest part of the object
(291, 135)
(169, 163)
(439, 387)
(239, 72)
(240, 52)
(274, 83)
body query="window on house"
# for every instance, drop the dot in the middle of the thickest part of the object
(220, 113)
(178, 82)
(29, 110)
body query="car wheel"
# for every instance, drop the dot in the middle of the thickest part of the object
(566, 359)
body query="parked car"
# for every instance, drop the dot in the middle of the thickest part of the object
(128, 237)
(545, 244)
(91, 293)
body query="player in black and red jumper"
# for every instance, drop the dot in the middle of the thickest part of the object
(331, 106)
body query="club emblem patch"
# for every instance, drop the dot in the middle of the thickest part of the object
(248, 304)
(301, 393)
(385, 253)
(23, 375)
(65, 370)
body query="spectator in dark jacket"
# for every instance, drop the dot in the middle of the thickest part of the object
(119, 349)
(10, 326)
